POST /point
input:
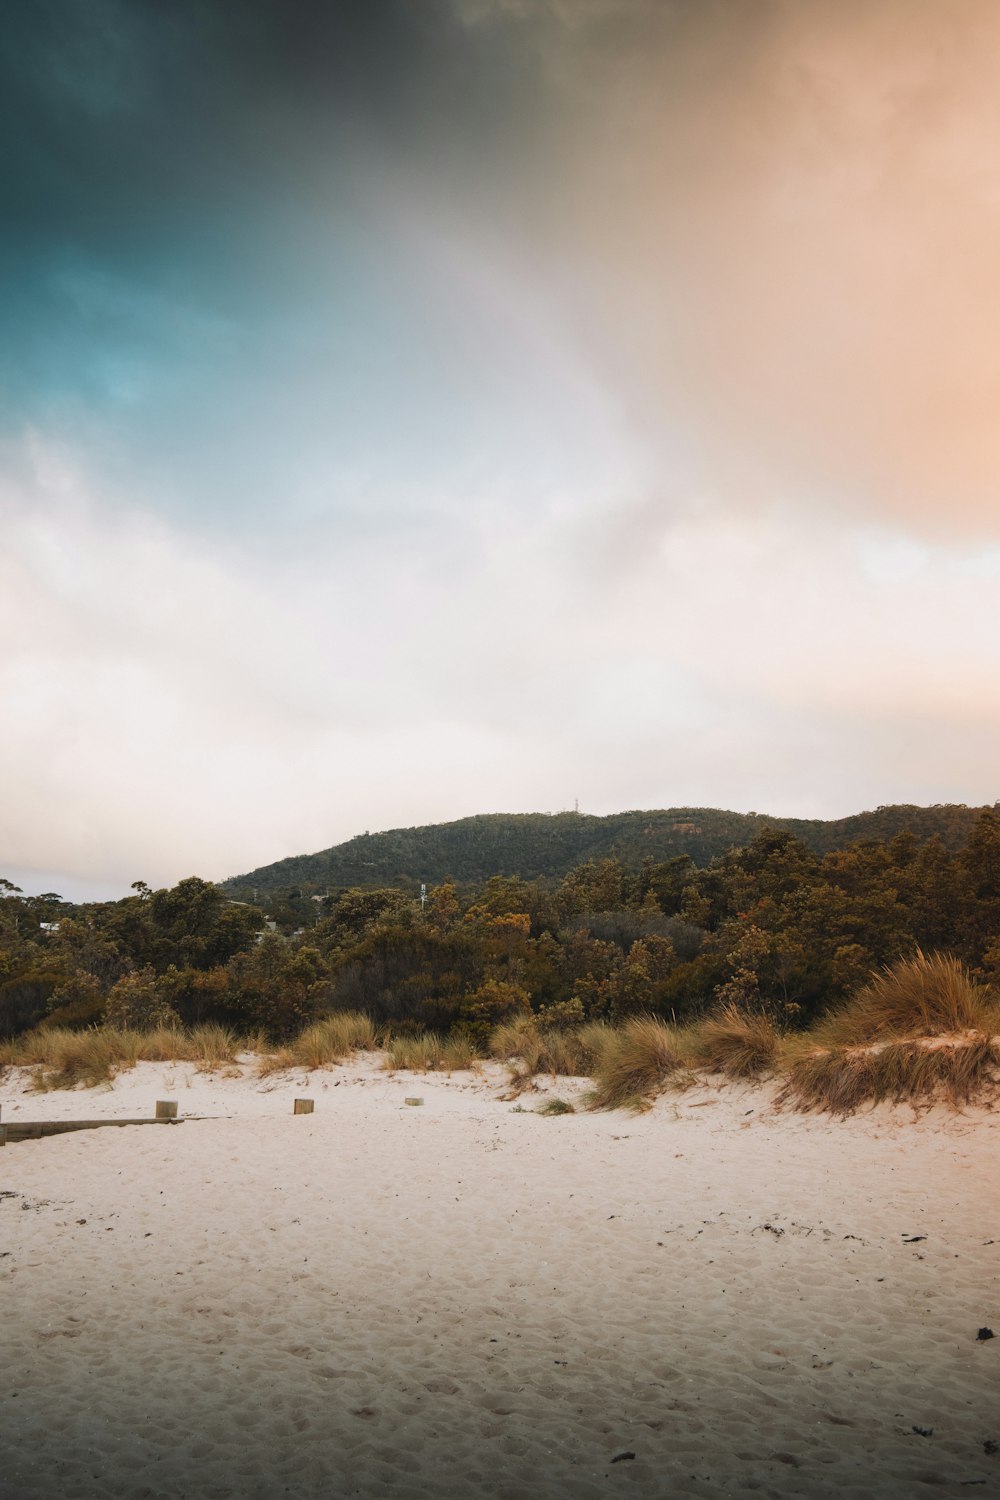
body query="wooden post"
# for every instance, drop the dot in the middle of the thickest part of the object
(302, 1107)
(3, 1135)
(166, 1109)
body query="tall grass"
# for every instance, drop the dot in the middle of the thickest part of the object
(212, 1044)
(926, 995)
(636, 1064)
(333, 1038)
(736, 1042)
(430, 1053)
(523, 1044)
(920, 1030)
(841, 1079)
(323, 1044)
(529, 1049)
(65, 1059)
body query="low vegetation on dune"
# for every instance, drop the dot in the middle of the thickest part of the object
(920, 1030)
(430, 1053)
(924, 995)
(64, 1059)
(737, 1042)
(917, 1031)
(638, 1062)
(556, 1107)
(322, 1044)
(529, 1048)
(842, 1079)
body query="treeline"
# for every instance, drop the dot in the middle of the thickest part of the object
(771, 926)
(540, 846)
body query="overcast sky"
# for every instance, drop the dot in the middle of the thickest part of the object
(413, 408)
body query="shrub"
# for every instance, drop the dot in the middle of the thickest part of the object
(77, 1001)
(494, 1002)
(24, 999)
(562, 1015)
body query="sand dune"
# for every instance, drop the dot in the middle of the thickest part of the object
(712, 1298)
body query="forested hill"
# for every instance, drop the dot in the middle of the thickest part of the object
(536, 845)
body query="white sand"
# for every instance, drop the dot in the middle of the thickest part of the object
(462, 1300)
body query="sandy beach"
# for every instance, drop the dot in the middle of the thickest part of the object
(468, 1298)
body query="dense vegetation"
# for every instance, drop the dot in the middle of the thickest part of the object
(771, 928)
(547, 846)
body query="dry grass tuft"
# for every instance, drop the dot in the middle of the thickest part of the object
(211, 1045)
(321, 1045)
(595, 1040)
(920, 1031)
(68, 1059)
(460, 1054)
(926, 995)
(518, 1040)
(253, 1045)
(913, 1071)
(414, 1054)
(736, 1042)
(331, 1040)
(162, 1044)
(431, 1053)
(555, 1107)
(636, 1064)
(528, 1049)
(275, 1060)
(64, 1059)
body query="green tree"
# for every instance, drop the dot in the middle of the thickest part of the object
(137, 1003)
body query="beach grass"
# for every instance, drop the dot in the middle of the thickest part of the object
(839, 1080)
(921, 1029)
(736, 1042)
(430, 1052)
(924, 995)
(65, 1059)
(322, 1044)
(636, 1064)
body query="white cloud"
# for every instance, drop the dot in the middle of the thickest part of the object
(174, 706)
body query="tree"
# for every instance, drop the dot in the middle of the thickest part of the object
(442, 907)
(494, 1001)
(137, 1003)
(981, 856)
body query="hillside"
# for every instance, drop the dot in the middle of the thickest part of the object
(549, 844)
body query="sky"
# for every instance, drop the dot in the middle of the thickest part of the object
(415, 408)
